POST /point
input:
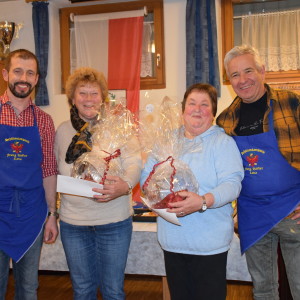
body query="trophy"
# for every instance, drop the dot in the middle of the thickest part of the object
(7, 31)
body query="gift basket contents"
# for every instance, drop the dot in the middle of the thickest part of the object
(141, 213)
(167, 178)
(164, 142)
(110, 134)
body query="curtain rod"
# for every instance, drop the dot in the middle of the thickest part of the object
(267, 13)
(72, 14)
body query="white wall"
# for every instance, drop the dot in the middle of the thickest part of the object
(174, 17)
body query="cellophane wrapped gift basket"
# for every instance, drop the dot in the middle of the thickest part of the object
(164, 141)
(111, 134)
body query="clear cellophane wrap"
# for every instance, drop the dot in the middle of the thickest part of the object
(111, 134)
(164, 141)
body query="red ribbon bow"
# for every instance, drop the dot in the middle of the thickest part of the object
(107, 159)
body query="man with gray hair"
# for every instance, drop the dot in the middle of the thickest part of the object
(265, 124)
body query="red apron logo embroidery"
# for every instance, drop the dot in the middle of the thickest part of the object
(17, 147)
(252, 159)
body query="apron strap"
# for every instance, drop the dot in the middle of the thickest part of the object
(34, 118)
(270, 117)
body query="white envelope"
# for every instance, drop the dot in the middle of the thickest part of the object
(162, 212)
(75, 186)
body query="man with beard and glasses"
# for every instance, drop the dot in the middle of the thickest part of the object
(27, 177)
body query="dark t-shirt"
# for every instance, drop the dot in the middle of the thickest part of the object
(251, 117)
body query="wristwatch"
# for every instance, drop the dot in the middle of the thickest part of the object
(53, 213)
(204, 205)
(129, 188)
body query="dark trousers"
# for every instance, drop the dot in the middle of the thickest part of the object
(196, 277)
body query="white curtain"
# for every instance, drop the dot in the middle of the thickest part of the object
(277, 38)
(88, 41)
(147, 50)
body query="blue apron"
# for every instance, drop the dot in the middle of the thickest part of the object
(270, 189)
(23, 207)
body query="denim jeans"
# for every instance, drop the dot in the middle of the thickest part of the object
(262, 261)
(96, 257)
(25, 272)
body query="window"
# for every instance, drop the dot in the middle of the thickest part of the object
(228, 40)
(154, 9)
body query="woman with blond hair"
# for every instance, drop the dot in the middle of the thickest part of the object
(95, 234)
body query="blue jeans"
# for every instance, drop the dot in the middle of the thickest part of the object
(25, 272)
(96, 257)
(262, 261)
